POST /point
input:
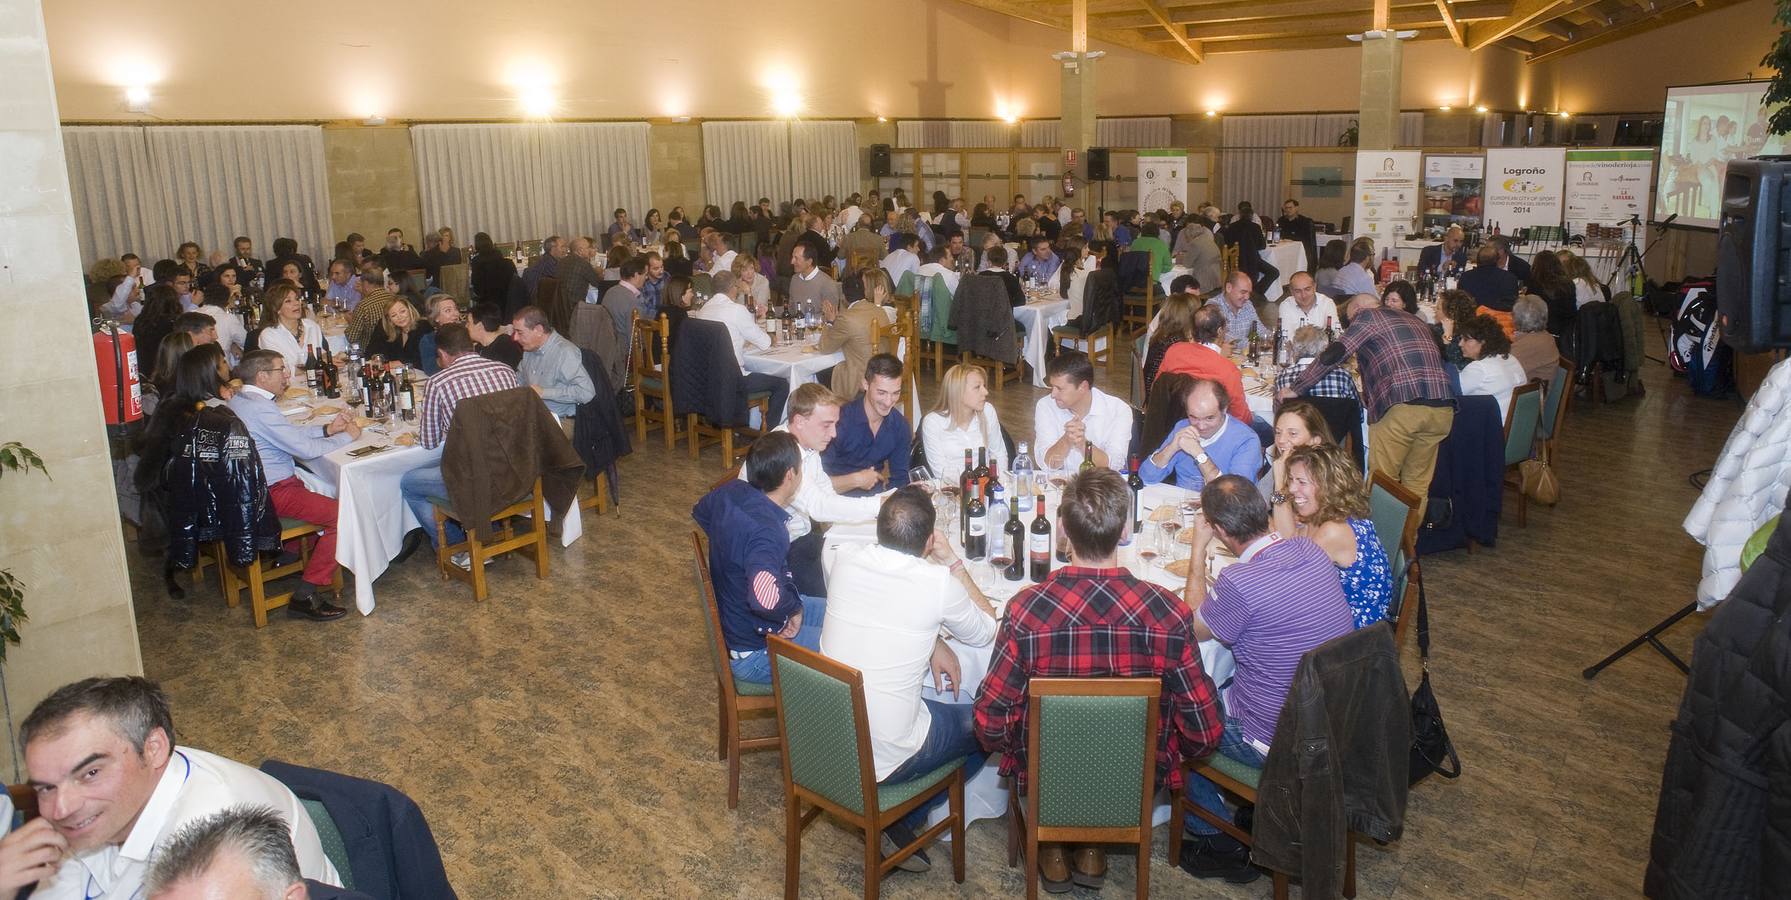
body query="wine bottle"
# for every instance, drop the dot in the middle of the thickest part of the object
(1039, 553)
(966, 487)
(1087, 456)
(982, 471)
(976, 544)
(312, 370)
(1136, 482)
(407, 401)
(1015, 534)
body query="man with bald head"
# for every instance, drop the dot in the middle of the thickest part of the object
(578, 284)
(1448, 257)
(1304, 305)
(1206, 444)
(1234, 302)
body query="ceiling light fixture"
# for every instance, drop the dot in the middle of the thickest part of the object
(1480, 109)
(136, 98)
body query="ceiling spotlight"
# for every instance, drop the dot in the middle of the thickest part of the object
(882, 119)
(1211, 113)
(1564, 114)
(1480, 109)
(538, 102)
(1443, 108)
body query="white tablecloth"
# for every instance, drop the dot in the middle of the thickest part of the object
(1038, 317)
(794, 362)
(985, 797)
(1287, 256)
(371, 515)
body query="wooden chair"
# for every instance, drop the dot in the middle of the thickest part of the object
(1394, 508)
(1556, 399)
(1140, 308)
(453, 281)
(532, 543)
(1091, 769)
(547, 292)
(257, 574)
(735, 697)
(901, 339)
(859, 261)
(700, 433)
(1521, 421)
(827, 762)
(1228, 260)
(652, 370)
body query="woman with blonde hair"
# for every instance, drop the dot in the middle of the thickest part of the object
(285, 329)
(400, 334)
(1298, 423)
(1024, 231)
(1326, 501)
(746, 273)
(1586, 288)
(963, 419)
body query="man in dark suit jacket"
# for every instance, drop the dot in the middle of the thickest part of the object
(577, 277)
(1297, 226)
(1488, 284)
(995, 262)
(1430, 259)
(1516, 265)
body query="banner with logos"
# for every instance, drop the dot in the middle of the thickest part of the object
(1452, 190)
(1387, 192)
(1524, 187)
(1608, 186)
(1162, 179)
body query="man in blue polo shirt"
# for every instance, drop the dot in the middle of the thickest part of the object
(749, 557)
(1205, 445)
(872, 434)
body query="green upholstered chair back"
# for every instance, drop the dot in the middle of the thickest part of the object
(1521, 422)
(817, 713)
(334, 848)
(710, 613)
(905, 287)
(1391, 507)
(1093, 751)
(1139, 350)
(1551, 403)
(749, 244)
(940, 294)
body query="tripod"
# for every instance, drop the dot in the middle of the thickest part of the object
(1630, 262)
(1650, 637)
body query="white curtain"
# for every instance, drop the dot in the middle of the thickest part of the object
(1133, 132)
(928, 134)
(824, 159)
(119, 204)
(145, 189)
(521, 182)
(746, 161)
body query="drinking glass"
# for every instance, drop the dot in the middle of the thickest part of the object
(920, 475)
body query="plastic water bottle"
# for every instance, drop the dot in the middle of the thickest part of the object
(998, 516)
(1022, 467)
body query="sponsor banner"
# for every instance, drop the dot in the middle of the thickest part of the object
(1387, 193)
(1162, 179)
(1607, 187)
(1453, 186)
(1524, 187)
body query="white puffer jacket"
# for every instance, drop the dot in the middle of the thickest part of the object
(1747, 486)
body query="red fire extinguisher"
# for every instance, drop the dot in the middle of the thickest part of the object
(121, 386)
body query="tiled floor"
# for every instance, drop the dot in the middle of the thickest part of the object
(560, 737)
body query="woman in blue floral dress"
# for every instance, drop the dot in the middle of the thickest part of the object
(1326, 501)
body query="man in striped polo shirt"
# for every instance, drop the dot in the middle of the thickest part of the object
(1278, 601)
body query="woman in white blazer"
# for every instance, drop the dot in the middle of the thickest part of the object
(963, 420)
(285, 329)
(1490, 369)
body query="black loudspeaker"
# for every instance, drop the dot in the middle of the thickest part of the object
(880, 161)
(1097, 164)
(1753, 255)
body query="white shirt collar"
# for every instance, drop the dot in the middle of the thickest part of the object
(1257, 546)
(1223, 424)
(255, 390)
(154, 817)
(811, 274)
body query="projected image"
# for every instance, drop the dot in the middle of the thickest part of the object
(1705, 127)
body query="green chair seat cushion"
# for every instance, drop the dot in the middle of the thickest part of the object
(892, 795)
(334, 848)
(652, 384)
(1237, 771)
(752, 688)
(759, 395)
(289, 524)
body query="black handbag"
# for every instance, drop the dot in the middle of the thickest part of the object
(1432, 751)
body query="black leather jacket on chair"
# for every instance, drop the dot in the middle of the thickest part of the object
(217, 492)
(1340, 760)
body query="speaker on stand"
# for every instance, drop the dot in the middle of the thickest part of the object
(880, 161)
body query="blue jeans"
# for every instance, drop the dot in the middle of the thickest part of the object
(417, 486)
(1231, 744)
(951, 735)
(756, 666)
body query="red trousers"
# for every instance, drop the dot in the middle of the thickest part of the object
(292, 500)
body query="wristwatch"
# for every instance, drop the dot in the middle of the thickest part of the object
(1201, 460)
(1277, 498)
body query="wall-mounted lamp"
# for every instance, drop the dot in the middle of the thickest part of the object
(136, 99)
(1480, 109)
(374, 121)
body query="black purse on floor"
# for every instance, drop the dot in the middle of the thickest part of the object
(1432, 751)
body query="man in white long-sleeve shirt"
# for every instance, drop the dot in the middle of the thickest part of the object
(729, 306)
(814, 416)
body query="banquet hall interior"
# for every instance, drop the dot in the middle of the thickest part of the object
(552, 712)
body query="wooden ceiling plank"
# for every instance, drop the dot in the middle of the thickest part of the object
(1450, 23)
(1523, 14)
(1639, 20)
(1174, 30)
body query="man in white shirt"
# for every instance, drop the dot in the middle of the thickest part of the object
(728, 305)
(719, 252)
(1304, 305)
(888, 604)
(112, 787)
(1077, 414)
(904, 258)
(814, 418)
(938, 264)
(243, 852)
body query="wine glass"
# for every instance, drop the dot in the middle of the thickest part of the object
(1149, 545)
(920, 475)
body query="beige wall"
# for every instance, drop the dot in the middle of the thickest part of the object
(59, 535)
(372, 177)
(675, 155)
(1632, 74)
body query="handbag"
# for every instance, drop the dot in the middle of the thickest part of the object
(1537, 480)
(1432, 751)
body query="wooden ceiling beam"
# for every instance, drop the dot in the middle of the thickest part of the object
(1175, 31)
(1350, 23)
(1247, 10)
(1038, 15)
(1307, 43)
(1450, 23)
(1524, 14)
(1636, 21)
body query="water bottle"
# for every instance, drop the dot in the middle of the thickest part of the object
(998, 516)
(1022, 467)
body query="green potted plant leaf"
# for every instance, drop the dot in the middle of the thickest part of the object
(14, 457)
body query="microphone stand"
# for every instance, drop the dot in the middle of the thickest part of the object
(1633, 256)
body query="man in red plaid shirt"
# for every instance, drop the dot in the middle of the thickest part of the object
(463, 373)
(1092, 619)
